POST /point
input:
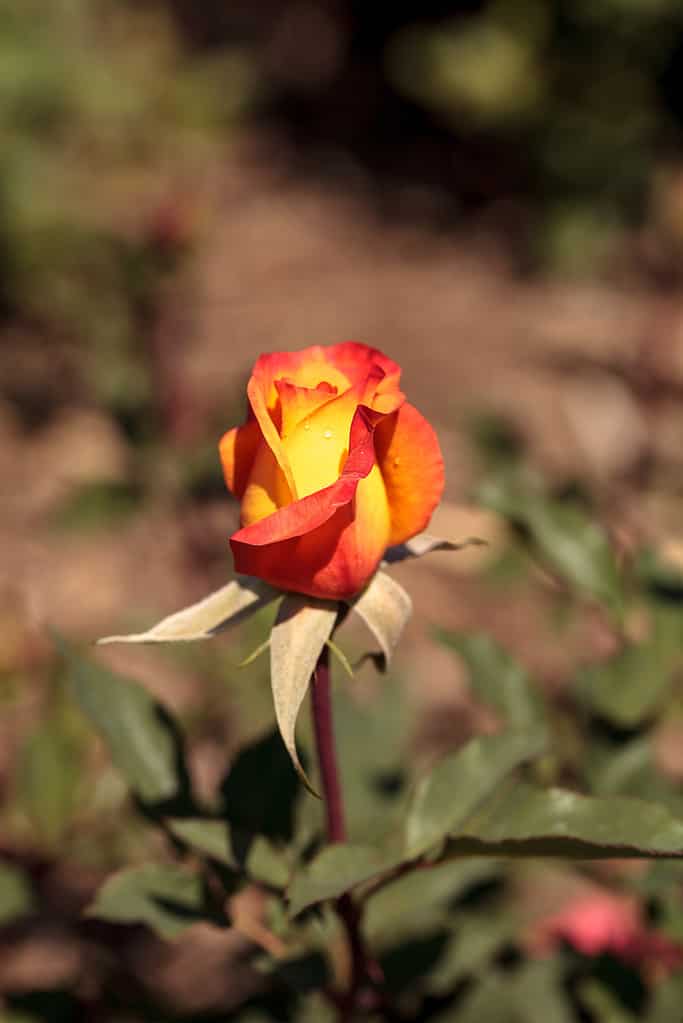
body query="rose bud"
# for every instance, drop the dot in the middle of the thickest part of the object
(331, 467)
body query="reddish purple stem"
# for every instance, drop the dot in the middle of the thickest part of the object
(327, 753)
(363, 969)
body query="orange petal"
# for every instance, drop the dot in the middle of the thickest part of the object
(327, 544)
(266, 489)
(257, 392)
(237, 449)
(305, 368)
(296, 403)
(411, 463)
(339, 366)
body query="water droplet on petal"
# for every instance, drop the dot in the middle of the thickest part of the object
(327, 434)
(307, 425)
(396, 463)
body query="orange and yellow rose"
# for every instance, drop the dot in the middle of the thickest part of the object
(331, 467)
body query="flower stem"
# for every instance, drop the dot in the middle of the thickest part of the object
(363, 969)
(327, 753)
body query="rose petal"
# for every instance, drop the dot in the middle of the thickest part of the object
(256, 392)
(297, 403)
(315, 512)
(410, 460)
(355, 360)
(237, 450)
(306, 368)
(311, 511)
(266, 489)
(317, 449)
(325, 544)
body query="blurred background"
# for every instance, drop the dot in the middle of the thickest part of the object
(489, 192)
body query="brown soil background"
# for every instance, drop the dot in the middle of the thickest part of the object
(590, 375)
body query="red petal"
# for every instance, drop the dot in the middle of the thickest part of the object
(316, 545)
(355, 360)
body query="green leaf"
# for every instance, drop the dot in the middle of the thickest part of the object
(16, 897)
(341, 657)
(615, 772)
(164, 897)
(630, 687)
(459, 784)
(406, 966)
(421, 900)
(531, 994)
(517, 821)
(572, 544)
(138, 732)
(464, 799)
(537, 990)
(302, 973)
(227, 606)
(371, 739)
(579, 549)
(302, 627)
(371, 746)
(447, 796)
(497, 678)
(603, 1005)
(255, 654)
(253, 855)
(476, 939)
(259, 791)
(521, 820)
(49, 775)
(423, 544)
(335, 870)
(385, 607)
(487, 1001)
(630, 769)
(666, 1000)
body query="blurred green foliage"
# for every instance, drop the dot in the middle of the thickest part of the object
(588, 91)
(437, 860)
(108, 112)
(105, 122)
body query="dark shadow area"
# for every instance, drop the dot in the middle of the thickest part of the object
(260, 790)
